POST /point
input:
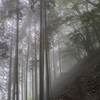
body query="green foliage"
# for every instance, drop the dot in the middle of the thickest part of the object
(84, 21)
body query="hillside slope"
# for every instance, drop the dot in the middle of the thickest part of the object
(82, 82)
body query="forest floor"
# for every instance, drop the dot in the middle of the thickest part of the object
(82, 82)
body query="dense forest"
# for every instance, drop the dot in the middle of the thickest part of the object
(40, 40)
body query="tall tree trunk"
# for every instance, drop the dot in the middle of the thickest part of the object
(19, 66)
(32, 76)
(54, 59)
(30, 83)
(22, 78)
(47, 54)
(35, 64)
(10, 69)
(13, 93)
(50, 68)
(24, 84)
(27, 65)
(59, 54)
(41, 53)
(16, 56)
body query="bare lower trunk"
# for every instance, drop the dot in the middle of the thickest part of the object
(27, 67)
(54, 59)
(22, 79)
(35, 66)
(32, 76)
(59, 54)
(13, 93)
(50, 66)
(10, 73)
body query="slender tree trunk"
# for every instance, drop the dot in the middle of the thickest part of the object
(19, 65)
(27, 65)
(54, 59)
(30, 82)
(10, 71)
(22, 78)
(50, 66)
(13, 93)
(16, 56)
(41, 53)
(47, 55)
(59, 54)
(32, 76)
(35, 64)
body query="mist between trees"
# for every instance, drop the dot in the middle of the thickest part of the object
(41, 39)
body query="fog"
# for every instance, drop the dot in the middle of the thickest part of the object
(40, 41)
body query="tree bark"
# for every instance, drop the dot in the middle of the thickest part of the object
(27, 64)
(54, 59)
(16, 56)
(32, 76)
(59, 54)
(35, 64)
(10, 69)
(41, 53)
(22, 78)
(47, 55)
